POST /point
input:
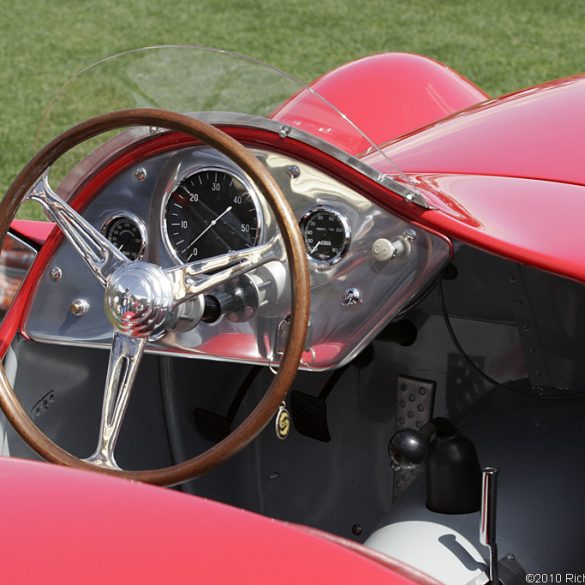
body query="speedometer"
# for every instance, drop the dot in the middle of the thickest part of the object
(210, 212)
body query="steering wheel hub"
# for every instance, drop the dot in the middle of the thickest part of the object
(139, 299)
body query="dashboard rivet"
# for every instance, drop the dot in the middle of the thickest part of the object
(140, 174)
(55, 274)
(357, 529)
(153, 129)
(79, 307)
(293, 171)
(410, 197)
(284, 131)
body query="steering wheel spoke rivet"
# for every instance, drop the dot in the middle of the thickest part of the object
(140, 174)
(55, 274)
(79, 307)
(293, 171)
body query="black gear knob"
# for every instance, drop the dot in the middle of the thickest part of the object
(408, 448)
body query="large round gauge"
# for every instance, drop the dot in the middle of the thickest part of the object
(127, 233)
(327, 234)
(210, 212)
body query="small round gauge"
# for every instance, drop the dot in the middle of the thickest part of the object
(127, 233)
(327, 234)
(210, 212)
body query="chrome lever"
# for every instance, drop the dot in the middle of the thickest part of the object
(487, 528)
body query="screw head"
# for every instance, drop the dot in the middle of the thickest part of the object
(55, 274)
(284, 131)
(140, 174)
(79, 307)
(293, 171)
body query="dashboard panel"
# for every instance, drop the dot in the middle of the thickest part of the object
(365, 264)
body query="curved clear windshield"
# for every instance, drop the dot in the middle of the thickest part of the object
(214, 85)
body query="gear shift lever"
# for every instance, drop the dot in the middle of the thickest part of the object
(487, 528)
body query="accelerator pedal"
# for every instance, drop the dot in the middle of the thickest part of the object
(415, 403)
(309, 413)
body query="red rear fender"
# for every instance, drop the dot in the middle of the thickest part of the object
(385, 95)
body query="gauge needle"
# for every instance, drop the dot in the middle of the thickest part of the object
(315, 247)
(211, 224)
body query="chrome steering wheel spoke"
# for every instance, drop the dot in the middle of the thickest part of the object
(125, 356)
(201, 276)
(98, 253)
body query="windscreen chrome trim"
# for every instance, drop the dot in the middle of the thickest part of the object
(134, 136)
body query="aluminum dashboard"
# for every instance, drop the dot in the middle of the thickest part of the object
(385, 263)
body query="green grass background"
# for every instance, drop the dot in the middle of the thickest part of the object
(500, 45)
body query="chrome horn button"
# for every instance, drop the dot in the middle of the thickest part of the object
(139, 299)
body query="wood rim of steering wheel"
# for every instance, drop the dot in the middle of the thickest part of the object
(295, 249)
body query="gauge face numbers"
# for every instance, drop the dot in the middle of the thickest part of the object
(127, 234)
(211, 212)
(326, 233)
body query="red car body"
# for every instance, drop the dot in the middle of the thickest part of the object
(502, 175)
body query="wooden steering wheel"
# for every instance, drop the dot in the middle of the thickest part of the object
(139, 297)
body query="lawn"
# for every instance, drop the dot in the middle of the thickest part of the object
(501, 45)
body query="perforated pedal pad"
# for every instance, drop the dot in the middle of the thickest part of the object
(415, 400)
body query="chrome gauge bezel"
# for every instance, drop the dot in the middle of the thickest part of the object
(133, 218)
(194, 170)
(306, 216)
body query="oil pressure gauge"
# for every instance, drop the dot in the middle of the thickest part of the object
(127, 233)
(327, 234)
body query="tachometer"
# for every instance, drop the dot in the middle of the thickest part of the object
(210, 212)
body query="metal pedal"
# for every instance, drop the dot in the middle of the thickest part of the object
(415, 401)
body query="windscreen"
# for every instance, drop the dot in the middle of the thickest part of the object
(214, 85)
